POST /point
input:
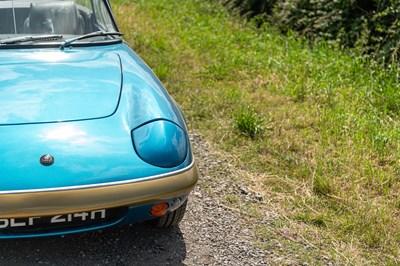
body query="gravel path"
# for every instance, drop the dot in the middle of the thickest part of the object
(209, 235)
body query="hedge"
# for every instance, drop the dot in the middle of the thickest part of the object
(372, 26)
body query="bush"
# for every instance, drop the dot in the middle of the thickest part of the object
(330, 20)
(371, 26)
(384, 30)
(252, 8)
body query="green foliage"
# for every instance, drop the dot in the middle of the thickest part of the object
(321, 185)
(316, 220)
(249, 122)
(251, 7)
(384, 30)
(372, 26)
(320, 19)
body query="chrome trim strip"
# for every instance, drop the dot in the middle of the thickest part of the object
(108, 184)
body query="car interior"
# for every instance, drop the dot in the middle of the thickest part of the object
(57, 17)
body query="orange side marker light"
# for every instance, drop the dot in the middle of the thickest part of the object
(159, 209)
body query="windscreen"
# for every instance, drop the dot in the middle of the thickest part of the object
(66, 18)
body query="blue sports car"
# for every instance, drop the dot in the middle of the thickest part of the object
(89, 136)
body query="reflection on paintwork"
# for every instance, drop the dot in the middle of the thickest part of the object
(49, 56)
(66, 132)
(9, 75)
(143, 89)
(160, 143)
(70, 139)
(61, 91)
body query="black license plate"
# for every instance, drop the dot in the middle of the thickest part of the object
(69, 220)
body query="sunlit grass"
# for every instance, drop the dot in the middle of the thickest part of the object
(323, 123)
(249, 122)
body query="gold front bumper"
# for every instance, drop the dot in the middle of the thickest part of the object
(79, 199)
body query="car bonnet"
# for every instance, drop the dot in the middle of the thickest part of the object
(40, 86)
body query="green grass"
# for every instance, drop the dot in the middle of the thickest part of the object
(248, 122)
(320, 137)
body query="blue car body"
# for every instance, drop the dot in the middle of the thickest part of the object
(115, 141)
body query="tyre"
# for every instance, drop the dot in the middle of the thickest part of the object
(170, 219)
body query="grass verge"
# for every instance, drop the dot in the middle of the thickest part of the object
(316, 131)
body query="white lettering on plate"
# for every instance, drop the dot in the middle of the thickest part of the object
(57, 219)
(82, 215)
(102, 213)
(30, 220)
(4, 223)
(13, 223)
(63, 218)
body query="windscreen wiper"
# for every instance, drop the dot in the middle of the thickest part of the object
(89, 35)
(29, 38)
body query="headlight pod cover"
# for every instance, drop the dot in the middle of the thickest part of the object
(160, 143)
